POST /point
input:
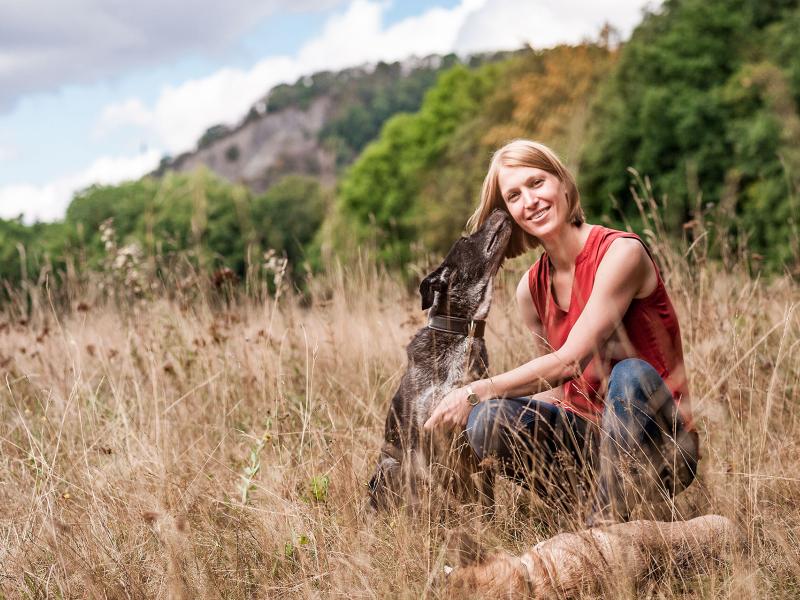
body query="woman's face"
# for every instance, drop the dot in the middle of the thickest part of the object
(536, 199)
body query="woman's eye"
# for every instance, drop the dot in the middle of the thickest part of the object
(512, 196)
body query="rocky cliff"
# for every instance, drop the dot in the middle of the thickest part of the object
(263, 149)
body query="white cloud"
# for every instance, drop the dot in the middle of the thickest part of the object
(128, 112)
(509, 24)
(8, 153)
(182, 113)
(358, 35)
(503, 24)
(49, 202)
(355, 36)
(45, 44)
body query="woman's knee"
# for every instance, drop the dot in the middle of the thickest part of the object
(634, 370)
(483, 428)
(634, 380)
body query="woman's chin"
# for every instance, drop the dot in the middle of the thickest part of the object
(540, 230)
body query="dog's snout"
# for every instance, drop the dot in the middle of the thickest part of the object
(499, 233)
(492, 242)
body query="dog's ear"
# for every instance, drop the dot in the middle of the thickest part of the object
(433, 283)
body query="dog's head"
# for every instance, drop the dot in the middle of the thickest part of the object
(385, 484)
(462, 285)
(482, 574)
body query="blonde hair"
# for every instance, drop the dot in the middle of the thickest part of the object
(524, 153)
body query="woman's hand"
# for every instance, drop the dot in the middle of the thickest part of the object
(452, 411)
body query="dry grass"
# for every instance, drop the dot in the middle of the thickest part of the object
(185, 450)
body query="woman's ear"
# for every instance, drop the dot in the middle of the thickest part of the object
(433, 283)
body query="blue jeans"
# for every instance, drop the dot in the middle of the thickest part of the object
(641, 450)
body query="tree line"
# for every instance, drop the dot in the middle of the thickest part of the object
(702, 100)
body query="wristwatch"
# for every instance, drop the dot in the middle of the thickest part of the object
(472, 397)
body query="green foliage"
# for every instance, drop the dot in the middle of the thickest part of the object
(232, 153)
(418, 183)
(368, 102)
(253, 466)
(198, 216)
(361, 100)
(301, 93)
(13, 234)
(196, 212)
(126, 203)
(318, 488)
(292, 547)
(212, 134)
(25, 251)
(704, 102)
(286, 218)
(380, 194)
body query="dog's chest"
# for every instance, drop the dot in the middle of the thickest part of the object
(432, 380)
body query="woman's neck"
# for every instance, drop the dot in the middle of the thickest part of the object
(564, 245)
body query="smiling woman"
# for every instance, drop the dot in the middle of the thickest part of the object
(603, 414)
(523, 166)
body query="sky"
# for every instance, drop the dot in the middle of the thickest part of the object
(97, 91)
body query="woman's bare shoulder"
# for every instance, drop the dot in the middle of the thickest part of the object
(524, 288)
(527, 308)
(630, 255)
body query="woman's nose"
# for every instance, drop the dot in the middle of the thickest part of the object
(528, 198)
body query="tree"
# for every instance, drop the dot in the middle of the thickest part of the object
(704, 103)
(287, 216)
(379, 196)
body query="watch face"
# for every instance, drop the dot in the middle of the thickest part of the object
(473, 399)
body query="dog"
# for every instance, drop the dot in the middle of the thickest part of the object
(445, 354)
(594, 561)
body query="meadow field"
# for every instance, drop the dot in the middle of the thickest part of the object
(194, 443)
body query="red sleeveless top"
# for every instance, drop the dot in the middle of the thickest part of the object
(649, 329)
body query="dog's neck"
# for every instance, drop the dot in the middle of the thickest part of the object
(471, 327)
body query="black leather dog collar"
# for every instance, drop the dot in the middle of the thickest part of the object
(457, 325)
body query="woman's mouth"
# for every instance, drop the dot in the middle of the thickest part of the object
(539, 214)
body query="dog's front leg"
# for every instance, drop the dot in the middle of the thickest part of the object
(386, 484)
(484, 481)
(472, 482)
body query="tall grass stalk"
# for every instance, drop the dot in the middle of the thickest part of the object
(126, 427)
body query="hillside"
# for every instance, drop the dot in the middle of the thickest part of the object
(419, 181)
(262, 149)
(197, 365)
(317, 125)
(701, 102)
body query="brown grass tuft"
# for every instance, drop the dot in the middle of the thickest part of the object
(126, 438)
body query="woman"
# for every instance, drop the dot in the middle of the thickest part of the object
(607, 405)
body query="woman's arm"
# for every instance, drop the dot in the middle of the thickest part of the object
(621, 276)
(531, 319)
(529, 314)
(527, 309)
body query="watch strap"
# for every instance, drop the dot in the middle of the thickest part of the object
(472, 397)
